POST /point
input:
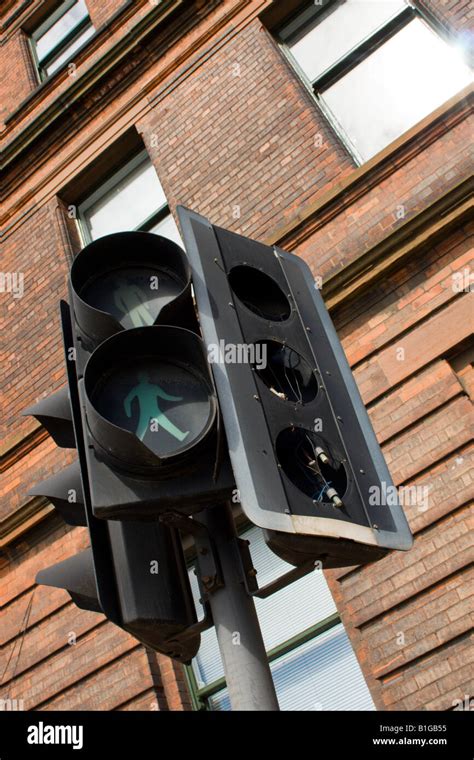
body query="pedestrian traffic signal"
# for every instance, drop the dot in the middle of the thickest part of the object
(135, 573)
(304, 455)
(151, 416)
(126, 280)
(132, 379)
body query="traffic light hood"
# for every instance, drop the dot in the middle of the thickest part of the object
(129, 279)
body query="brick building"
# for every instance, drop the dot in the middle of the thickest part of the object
(340, 131)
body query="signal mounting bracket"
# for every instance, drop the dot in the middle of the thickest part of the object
(209, 573)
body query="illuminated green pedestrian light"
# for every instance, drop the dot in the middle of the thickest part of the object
(166, 405)
(147, 395)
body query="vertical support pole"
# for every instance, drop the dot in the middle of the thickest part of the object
(248, 676)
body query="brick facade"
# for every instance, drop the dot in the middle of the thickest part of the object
(234, 134)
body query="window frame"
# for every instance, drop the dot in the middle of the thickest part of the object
(361, 51)
(200, 696)
(48, 22)
(107, 185)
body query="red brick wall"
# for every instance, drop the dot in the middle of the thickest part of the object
(33, 362)
(410, 614)
(419, 180)
(239, 130)
(251, 134)
(17, 79)
(456, 15)
(102, 11)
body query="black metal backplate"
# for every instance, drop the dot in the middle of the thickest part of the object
(248, 293)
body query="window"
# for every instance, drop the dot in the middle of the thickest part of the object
(132, 199)
(312, 661)
(376, 68)
(60, 35)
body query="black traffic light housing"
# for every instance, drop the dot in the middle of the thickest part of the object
(303, 451)
(76, 575)
(144, 458)
(64, 491)
(144, 410)
(150, 605)
(54, 414)
(134, 573)
(129, 279)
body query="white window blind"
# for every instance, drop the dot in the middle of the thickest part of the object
(403, 81)
(60, 29)
(323, 42)
(61, 34)
(65, 54)
(322, 674)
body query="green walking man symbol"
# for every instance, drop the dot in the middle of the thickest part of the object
(147, 394)
(130, 299)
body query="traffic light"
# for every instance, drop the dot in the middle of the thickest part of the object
(304, 455)
(64, 491)
(150, 411)
(167, 424)
(135, 573)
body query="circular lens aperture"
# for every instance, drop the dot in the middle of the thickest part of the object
(308, 462)
(285, 372)
(259, 293)
(165, 405)
(133, 295)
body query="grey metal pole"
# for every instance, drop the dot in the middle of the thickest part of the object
(249, 680)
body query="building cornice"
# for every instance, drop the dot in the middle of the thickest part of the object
(409, 239)
(16, 446)
(83, 83)
(90, 84)
(24, 519)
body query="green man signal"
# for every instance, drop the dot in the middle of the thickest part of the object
(150, 415)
